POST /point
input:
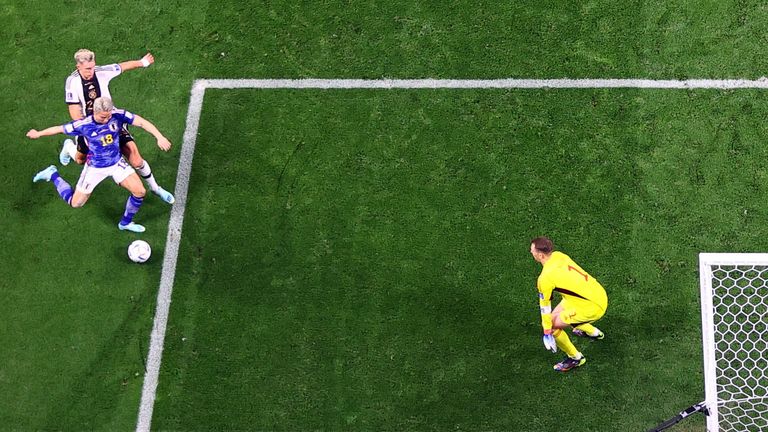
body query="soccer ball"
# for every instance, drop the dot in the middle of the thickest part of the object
(139, 251)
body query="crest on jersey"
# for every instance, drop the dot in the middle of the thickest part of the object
(92, 94)
(113, 126)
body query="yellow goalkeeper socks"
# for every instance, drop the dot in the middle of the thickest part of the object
(564, 343)
(589, 329)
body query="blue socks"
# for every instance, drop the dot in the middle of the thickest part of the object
(63, 188)
(65, 192)
(131, 208)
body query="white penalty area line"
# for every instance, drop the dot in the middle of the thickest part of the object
(157, 338)
(510, 83)
(173, 239)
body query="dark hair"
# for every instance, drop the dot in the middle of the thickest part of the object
(543, 244)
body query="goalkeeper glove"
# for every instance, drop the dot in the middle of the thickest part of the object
(549, 343)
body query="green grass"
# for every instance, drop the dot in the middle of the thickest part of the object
(361, 261)
(376, 272)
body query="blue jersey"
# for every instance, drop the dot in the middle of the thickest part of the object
(103, 139)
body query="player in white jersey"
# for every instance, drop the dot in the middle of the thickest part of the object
(82, 87)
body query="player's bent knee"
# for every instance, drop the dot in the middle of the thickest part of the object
(558, 323)
(137, 163)
(134, 185)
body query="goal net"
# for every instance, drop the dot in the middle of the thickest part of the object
(734, 311)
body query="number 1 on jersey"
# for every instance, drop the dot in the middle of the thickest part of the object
(586, 276)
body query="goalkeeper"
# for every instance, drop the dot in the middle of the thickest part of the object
(583, 302)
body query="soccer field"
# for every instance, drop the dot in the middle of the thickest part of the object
(358, 258)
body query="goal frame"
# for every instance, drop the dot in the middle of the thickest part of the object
(706, 262)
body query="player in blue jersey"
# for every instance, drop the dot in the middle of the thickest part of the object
(102, 130)
(82, 87)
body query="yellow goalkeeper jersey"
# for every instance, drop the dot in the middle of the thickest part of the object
(560, 273)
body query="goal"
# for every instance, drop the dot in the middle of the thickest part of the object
(734, 312)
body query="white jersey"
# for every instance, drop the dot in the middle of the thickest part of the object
(82, 92)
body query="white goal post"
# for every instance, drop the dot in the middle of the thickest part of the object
(734, 320)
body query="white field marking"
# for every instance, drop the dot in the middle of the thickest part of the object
(169, 262)
(188, 149)
(511, 83)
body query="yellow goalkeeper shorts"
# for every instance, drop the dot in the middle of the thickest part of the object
(574, 313)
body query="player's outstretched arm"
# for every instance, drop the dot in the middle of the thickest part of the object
(145, 61)
(145, 124)
(53, 130)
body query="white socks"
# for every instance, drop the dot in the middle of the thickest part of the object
(146, 173)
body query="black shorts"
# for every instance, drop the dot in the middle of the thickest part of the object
(125, 138)
(82, 144)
